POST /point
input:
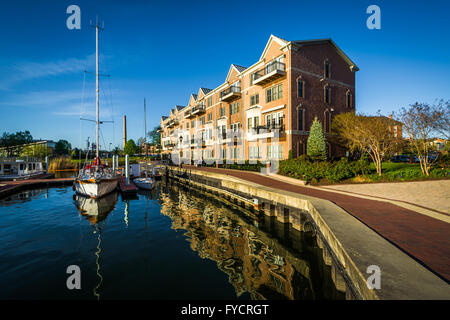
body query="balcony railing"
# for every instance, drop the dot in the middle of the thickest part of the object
(172, 123)
(272, 71)
(198, 109)
(268, 128)
(188, 114)
(169, 144)
(230, 93)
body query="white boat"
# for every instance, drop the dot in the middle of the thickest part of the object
(96, 180)
(144, 183)
(18, 169)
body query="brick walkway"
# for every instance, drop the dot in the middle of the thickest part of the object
(425, 239)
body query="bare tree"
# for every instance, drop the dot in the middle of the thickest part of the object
(421, 121)
(368, 134)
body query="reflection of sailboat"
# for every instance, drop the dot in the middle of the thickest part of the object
(96, 210)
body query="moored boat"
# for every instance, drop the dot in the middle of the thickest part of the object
(144, 183)
(18, 169)
(96, 180)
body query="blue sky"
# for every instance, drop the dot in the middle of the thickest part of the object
(164, 51)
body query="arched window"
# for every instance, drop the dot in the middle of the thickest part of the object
(300, 118)
(327, 94)
(348, 99)
(327, 121)
(300, 87)
(327, 69)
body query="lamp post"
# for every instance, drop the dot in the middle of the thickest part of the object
(179, 158)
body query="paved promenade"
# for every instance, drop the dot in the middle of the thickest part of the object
(422, 237)
(433, 194)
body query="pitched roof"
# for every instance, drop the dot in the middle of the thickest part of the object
(179, 107)
(205, 90)
(239, 68)
(353, 66)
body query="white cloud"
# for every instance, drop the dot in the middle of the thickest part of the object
(19, 72)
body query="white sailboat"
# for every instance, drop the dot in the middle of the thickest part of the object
(145, 182)
(96, 180)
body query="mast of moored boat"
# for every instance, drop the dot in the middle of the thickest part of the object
(145, 131)
(97, 93)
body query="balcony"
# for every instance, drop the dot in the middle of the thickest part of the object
(172, 123)
(188, 114)
(169, 144)
(230, 93)
(272, 71)
(199, 109)
(266, 131)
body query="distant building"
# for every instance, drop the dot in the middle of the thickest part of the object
(151, 149)
(16, 150)
(277, 97)
(438, 143)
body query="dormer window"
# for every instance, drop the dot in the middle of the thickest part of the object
(326, 69)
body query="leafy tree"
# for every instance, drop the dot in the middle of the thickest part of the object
(366, 134)
(37, 150)
(130, 147)
(154, 137)
(12, 142)
(116, 150)
(316, 147)
(62, 147)
(421, 121)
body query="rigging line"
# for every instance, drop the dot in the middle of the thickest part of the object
(81, 110)
(101, 133)
(112, 108)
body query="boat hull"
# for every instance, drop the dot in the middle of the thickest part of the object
(95, 189)
(142, 184)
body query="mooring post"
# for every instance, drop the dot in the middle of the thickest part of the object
(46, 164)
(114, 163)
(127, 173)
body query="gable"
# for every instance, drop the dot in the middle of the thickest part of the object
(272, 48)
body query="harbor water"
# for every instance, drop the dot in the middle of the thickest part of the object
(170, 243)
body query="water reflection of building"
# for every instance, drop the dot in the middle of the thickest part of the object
(250, 263)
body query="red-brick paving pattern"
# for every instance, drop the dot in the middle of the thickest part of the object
(422, 237)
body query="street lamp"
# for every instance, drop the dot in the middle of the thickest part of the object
(179, 158)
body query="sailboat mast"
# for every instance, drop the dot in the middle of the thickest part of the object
(145, 131)
(97, 90)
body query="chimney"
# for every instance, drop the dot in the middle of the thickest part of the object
(124, 131)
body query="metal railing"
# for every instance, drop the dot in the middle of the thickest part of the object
(229, 90)
(200, 107)
(270, 67)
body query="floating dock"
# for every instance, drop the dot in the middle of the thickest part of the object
(8, 188)
(125, 188)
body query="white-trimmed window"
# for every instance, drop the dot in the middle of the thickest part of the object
(348, 99)
(300, 88)
(327, 94)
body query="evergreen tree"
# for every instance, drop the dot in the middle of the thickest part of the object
(316, 147)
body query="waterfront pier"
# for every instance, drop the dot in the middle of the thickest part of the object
(410, 249)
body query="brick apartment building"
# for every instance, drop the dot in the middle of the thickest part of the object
(264, 111)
